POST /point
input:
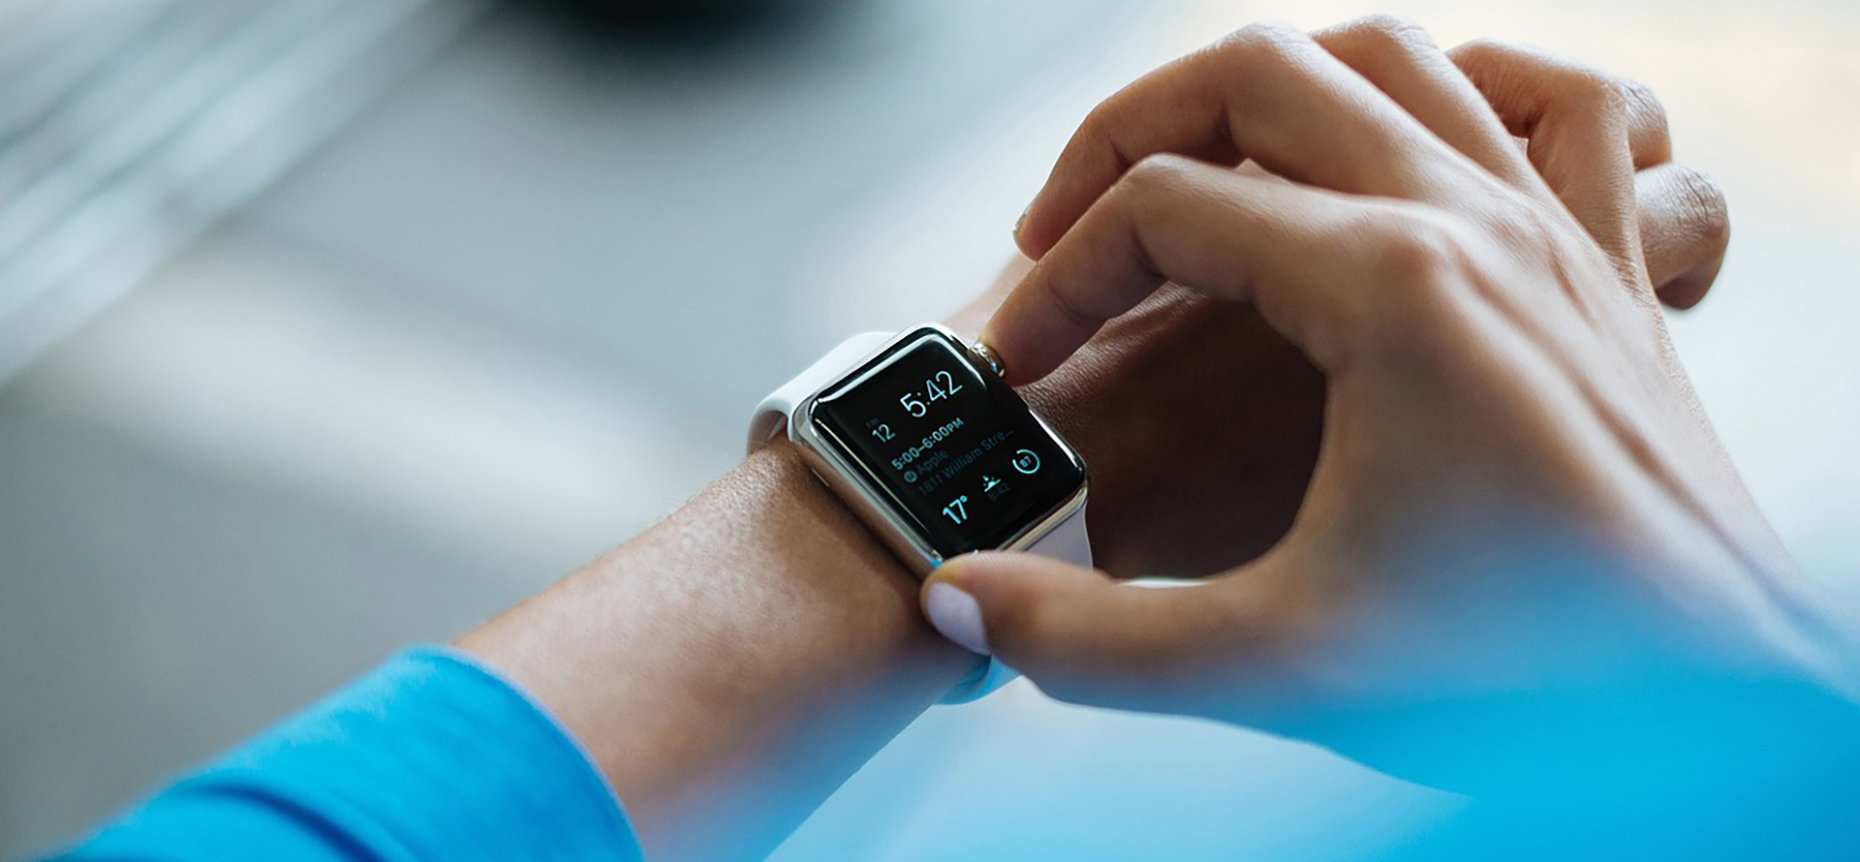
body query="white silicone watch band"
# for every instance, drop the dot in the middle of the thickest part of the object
(772, 415)
(1067, 542)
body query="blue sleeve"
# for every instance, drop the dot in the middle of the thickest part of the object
(430, 756)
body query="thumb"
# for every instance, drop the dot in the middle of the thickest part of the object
(1074, 631)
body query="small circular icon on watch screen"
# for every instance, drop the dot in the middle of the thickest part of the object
(1026, 462)
(910, 475)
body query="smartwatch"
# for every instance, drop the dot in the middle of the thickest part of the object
(919, 434)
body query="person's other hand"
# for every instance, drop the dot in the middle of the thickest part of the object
(1144, 396)
(1516, 492)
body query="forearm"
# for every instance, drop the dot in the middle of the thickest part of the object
(735, 663)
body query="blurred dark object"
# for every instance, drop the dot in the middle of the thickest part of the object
(684, 25)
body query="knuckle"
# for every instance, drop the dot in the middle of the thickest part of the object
(1643, 101)
(1484, 46)
(1647, 120)
(1155, 173)
(1596, 93)
(1247, 59)
(1101, 122)
(1706, 209)
(1484, 55)
(1421, 298)
(1265, 39)
(1416, 252)
(1389, 34)
(1097, 118)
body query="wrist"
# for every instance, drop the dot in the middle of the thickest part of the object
(742, 657)
(827, 587)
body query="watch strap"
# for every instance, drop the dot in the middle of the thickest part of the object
(771, 417)
(1068, 542)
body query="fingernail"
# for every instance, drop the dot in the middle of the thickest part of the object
(956, 616)
(1022, 221)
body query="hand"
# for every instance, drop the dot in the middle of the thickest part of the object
(1144, 396)
(1516, 494)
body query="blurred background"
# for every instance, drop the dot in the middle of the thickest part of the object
(327, 326)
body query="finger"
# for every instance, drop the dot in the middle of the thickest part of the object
(1684, 228)
(968, 320)
(1402, 61)
(1266, 93)
(1681, 215)
(1587, 133)
(1313, 262)
(1517, 82)
(1080, 635)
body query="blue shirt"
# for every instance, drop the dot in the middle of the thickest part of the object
(433, 756)
(430, 756)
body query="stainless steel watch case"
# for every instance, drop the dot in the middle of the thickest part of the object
(865, 495)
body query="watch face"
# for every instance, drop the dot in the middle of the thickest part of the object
(955, 450)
